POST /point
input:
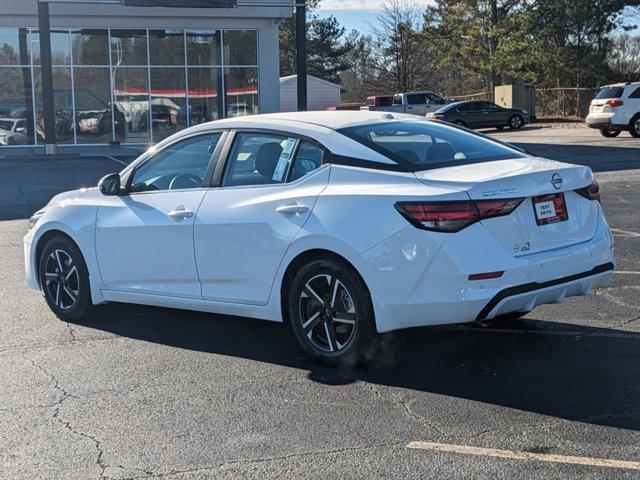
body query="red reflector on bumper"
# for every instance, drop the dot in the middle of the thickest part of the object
(485, 276)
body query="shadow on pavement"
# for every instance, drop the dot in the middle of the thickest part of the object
(562, 376)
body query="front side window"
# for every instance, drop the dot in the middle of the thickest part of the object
(180, 166)
(416, 99)
(259, 159)
(423, 145)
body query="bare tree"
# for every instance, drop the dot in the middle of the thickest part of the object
(624, 58)
(402, 58)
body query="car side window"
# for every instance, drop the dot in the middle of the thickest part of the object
(397, 99)
(468, 107)
(635, 94)
(490, 107)
(309, 158)
(416, 99)
(177, 167)
(259, 159)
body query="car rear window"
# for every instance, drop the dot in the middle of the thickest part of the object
(424, 145)
(610, 92)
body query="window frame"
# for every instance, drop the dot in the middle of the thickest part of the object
(214, 159)
(223, 160)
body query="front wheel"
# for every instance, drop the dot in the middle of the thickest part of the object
(516, 122)
(330, 312)
(609, 132)
(64, 279)
(634, 126)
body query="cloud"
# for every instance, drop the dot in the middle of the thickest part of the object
(361, 4)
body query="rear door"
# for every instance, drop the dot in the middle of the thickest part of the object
(471, 114)
(246, 223)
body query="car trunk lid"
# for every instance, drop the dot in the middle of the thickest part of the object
(538, 181)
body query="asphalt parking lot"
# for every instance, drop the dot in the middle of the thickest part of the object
(140, 392)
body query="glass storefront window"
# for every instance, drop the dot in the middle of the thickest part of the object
(131, 108)
(205, 99)
(203, 47)
(16, 107)
(166, 47)
(93, 104)
(128, 47)
(240, 47)
(60, 51)
(14, 46)
(90, 46)
(241, 91)
(168, 102)
(62, 104)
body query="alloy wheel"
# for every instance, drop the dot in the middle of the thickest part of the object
(327, 313)
(636, 126)
(516, 121)
(62, 280)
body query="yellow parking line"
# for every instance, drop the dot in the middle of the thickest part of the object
(519, 455)
(618, 232)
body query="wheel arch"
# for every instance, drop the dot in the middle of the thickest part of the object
(301, 259)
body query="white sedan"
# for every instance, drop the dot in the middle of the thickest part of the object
(342, 224)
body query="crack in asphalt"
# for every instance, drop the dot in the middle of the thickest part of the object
(65, 395)
(276, 458)
(26, 348)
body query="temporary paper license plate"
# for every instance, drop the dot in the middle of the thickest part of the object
(550, 209)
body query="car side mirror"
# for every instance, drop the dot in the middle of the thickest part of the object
(109, 185)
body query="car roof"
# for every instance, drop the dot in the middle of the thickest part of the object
(623, 84)
(334, 120)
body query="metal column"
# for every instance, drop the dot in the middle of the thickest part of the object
(50, 146)
(301, 54)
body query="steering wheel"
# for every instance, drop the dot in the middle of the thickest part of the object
(185, 180)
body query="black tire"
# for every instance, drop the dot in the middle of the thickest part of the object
(341, 330)
(609, 132)
(460, 123)
(516, 121)
(634, 126)
(64, 279)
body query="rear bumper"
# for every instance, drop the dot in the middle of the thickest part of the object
(418, 279)
(606, 120)
(523, 298)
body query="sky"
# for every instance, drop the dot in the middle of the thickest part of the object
(355, 14)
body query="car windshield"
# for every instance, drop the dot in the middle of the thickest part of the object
(610, 92)
(425, 145)
(6, 125)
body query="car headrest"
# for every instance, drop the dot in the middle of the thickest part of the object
(441, 152)
(267, 158)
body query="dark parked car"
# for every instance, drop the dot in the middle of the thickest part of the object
(481, 114)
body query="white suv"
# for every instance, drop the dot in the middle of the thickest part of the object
(616, 108)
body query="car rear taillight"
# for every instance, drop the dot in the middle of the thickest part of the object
(453, 216)
(591, 192)
(614, 103)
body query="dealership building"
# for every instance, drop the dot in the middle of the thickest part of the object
(131, 76)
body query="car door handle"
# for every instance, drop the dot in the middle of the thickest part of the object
(293, 209)
(180, 212)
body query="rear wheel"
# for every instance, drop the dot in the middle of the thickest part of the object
(330, 312)
(609, 132)
(634, 126)
(516, 122)
(64, 279)
(460, 123)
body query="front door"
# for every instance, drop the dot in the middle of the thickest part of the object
(144, 239)
(244, 228)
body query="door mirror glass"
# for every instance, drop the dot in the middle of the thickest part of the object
(110, 184)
